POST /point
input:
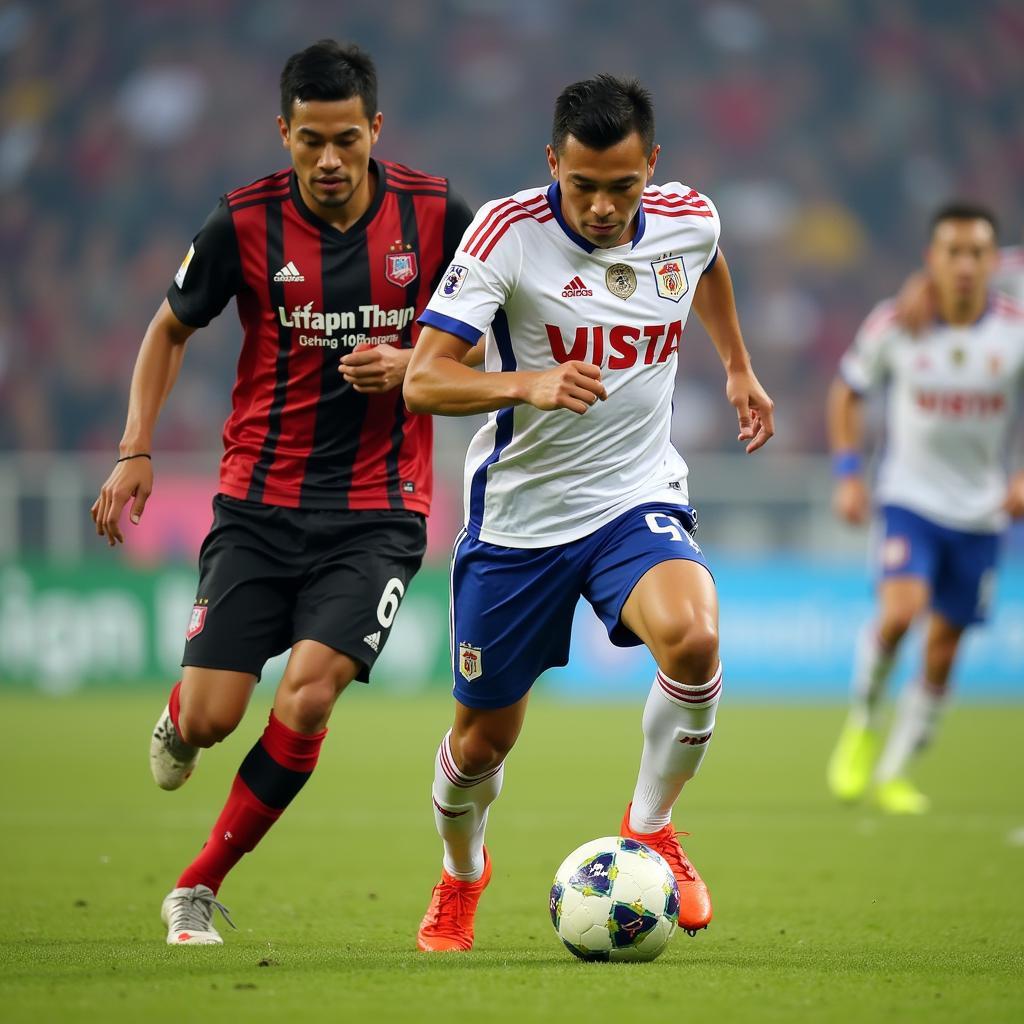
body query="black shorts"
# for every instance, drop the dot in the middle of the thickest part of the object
(271, 576)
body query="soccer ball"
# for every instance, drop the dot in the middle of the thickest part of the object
(614, 899)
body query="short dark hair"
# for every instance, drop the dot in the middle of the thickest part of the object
(963, 209)
(329, 71)
(602, 111)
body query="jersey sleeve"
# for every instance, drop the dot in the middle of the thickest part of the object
(865, 364)
(716, 231)
(473, 289)
(211, 272)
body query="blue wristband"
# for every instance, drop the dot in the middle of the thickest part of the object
(847, 463)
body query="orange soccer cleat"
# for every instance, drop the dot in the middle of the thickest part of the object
(447, 926)
(694, 898)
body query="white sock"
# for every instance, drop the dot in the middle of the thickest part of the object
(917, 717)
(460, 812)
(873, 665)
(678, 722)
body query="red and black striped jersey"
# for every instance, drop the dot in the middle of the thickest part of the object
(298, 434)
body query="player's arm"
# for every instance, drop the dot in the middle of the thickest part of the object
(156, 369)
(845, 418)
(715, 304)
(916, 302)
(439, 381)
(208, 277)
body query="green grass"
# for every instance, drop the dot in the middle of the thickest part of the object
(822, 913)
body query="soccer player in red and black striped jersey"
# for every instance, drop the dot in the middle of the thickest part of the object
(319, 523)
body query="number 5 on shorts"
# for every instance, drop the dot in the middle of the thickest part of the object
(387, 607)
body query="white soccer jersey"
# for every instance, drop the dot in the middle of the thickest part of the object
(533, 478)
(952, 396)
(1009, 276)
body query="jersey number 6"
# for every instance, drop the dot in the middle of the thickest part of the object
(387, 607)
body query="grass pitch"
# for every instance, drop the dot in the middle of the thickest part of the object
(822, 913)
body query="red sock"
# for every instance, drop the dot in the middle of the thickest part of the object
(271, 775)
(174, 705)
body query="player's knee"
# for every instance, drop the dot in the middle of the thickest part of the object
(895, 624)
(203, 727)
(311, 702)
(477, 752)
(690, 655)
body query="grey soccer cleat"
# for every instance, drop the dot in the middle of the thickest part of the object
(171, 759)
(188, 914)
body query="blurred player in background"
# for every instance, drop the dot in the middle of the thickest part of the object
(943, 493)
(319, 523)
(573, 487)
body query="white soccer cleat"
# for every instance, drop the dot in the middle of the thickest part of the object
(171, 759)
(188, 914)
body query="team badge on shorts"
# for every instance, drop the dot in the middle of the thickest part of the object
(895, 553)
(196, 621)
(400, 268)
(470, 662)
(670, 278)
(451, 283)
(621, 280)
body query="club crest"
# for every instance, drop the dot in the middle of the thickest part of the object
(400, 268)
(470, 662)
(451, 283)
(620, 280)
(670, 278)
(196, 621)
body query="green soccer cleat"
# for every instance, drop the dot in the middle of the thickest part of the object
(901, 796)
(849, 767)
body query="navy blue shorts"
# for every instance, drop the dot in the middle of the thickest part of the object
(959, 567)
(512, 608)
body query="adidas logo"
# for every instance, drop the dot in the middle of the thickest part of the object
(289, 272)
(373, 640)
(576, 289)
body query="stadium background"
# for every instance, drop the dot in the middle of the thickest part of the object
(825, 131)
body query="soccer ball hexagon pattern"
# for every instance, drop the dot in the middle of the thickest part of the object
(614, 899)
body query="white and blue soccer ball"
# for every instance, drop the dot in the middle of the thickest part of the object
(614, 899)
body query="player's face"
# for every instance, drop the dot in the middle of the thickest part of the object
(602, 188)
(962, 258)
(330, 143)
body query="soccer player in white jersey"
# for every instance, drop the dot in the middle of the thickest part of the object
(572, 486)
(943, 492)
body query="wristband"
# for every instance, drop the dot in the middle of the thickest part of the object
(137, 455)
(848, 463)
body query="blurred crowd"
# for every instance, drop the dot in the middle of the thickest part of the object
(825, 130)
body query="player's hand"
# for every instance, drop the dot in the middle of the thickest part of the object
(575, 386)
(915, 303)
(374, 369)
(850, 500)
(754, 409)
(128, 481)
(1014, 503)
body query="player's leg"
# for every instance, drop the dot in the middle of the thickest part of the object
(648, 581)
(469, 769)
(278, 765)
(499, 646)
(241, 618)
(674, 611)
(351, 566)
(917, 716)
(962, 595)
(908, 557)
(203, 708)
